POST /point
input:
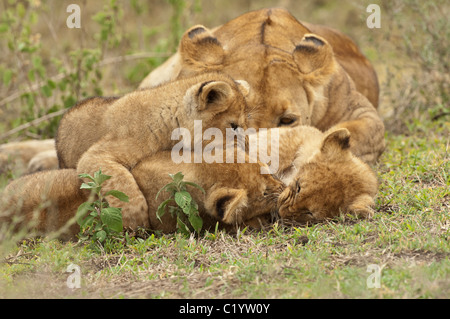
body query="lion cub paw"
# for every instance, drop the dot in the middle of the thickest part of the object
(134, 213)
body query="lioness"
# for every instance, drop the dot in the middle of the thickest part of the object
(300, 74)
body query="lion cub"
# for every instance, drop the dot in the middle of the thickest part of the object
(236, 193)
(42, 203)
(324, 178)
(141, 123)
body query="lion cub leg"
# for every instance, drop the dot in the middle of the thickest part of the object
(43, 203)
(112, 157)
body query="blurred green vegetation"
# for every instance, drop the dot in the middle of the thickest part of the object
(46, 66)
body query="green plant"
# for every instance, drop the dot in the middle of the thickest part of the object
(186, 207)
(44, 83)
(98, 221)
(176, 24)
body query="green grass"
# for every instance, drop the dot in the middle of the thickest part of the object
(408, 238)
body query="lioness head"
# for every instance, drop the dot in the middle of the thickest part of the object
(288, 69)
(332, 182)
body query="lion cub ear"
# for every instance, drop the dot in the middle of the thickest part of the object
(315, 59)
(199, 47)
(212, 95)
(336, 144)
(226, 204)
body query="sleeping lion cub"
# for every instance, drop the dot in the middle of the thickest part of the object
(141, 123)
(235, 194)
(324, 178)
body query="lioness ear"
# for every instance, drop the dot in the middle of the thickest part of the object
(226, 204)
(198, 47)
(362, 206)
(336, 142)
(314, 58)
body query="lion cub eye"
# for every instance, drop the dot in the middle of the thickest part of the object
(286, 121)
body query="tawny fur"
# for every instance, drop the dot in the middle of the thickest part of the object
(17, 156)
(42, 203)
(324, 178)
(236, 195)
(141, 124)
(71, 141)
(300, 74)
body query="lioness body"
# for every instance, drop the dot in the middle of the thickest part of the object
(349, 56)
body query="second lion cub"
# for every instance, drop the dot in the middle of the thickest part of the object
(324, 178)
(141, 123)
